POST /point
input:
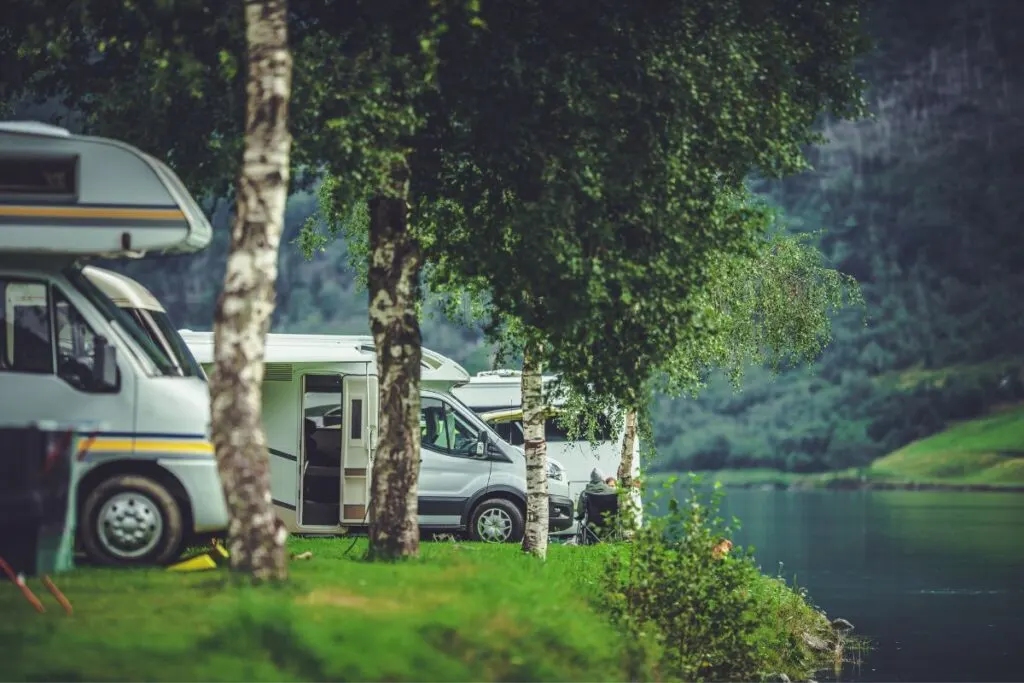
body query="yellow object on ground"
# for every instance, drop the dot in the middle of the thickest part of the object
(217, 556)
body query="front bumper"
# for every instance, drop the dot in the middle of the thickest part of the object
(199, 478)
(560, 510)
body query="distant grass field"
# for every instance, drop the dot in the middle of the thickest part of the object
(461, 612)
(987, 450)
(984, 451)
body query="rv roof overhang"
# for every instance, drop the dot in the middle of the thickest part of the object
(91, 196)
(122, 290)
(335, 349)
(513, 414)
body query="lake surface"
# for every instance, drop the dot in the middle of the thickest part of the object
(935, 579)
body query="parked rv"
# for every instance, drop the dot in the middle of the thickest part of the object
(149, 482)
(320, 410)
(496, 395)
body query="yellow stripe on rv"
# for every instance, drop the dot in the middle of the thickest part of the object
(168, 446)
(25, 211)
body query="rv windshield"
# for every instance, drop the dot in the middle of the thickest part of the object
(158, 326)
(179, 348)
(110, 310)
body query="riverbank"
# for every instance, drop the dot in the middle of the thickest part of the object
(462, 612)
(845, 480)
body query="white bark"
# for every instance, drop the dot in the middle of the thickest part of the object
(630, 501)
(256, 537)
(535, 540)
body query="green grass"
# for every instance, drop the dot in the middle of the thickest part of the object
(461, 612)
(986, 451)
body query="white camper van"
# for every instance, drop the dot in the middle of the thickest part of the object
(148, 313)
(320, 411)
(149, 481)
(496, 395)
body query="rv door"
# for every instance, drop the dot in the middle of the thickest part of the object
(359, 428)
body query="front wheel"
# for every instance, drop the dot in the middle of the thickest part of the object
(131, 520)
(497, 521)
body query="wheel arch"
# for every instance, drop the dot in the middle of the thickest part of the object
(144, 468)
(502, 492)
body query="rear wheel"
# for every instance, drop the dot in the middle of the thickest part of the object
(497, 521)
(130, 519)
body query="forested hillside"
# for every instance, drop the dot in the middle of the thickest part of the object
(922, 204)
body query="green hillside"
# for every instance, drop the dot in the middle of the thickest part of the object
(988, 450)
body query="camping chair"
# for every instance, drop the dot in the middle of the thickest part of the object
(600, 519)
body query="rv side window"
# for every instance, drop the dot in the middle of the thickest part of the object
(511, 431)
(76, 341)
(26, 344)
(443, 429)
(357, 419)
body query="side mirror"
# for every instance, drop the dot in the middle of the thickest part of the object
(482, 442)
(104, 365)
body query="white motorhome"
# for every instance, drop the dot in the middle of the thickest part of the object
(496, 395)
(149, 482)
(149, 314)
(320, 410)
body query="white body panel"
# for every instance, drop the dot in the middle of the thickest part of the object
(88, 196)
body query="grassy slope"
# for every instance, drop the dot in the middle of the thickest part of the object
(985, 451)
(462, 612)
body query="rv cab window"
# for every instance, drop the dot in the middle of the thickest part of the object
(34, 316)
(75, 344)
(443, 429)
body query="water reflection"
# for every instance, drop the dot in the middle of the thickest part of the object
(934, 578)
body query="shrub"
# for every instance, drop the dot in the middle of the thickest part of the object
(693, 612)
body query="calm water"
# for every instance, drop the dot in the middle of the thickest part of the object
(935, 579)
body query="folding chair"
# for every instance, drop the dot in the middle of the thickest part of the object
(600, 519)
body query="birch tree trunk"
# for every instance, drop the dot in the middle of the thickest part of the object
(625, 473)
(535, 540)
(630, 516)
(255, 536)
(393, 280)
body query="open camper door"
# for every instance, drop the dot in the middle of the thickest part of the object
(358, 446)
(88, 196)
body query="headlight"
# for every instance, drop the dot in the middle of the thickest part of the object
(554, 471)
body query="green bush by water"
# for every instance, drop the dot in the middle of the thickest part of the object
(693, 616)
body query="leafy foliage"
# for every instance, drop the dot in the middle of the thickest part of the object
(703, 617)
(624, 222)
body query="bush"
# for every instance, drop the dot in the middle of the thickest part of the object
(688, 613)
(694, 613)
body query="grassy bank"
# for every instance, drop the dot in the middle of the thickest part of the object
(982, 454)
(461, 612)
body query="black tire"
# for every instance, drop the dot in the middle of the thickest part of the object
(497, 509)
(147, 505)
